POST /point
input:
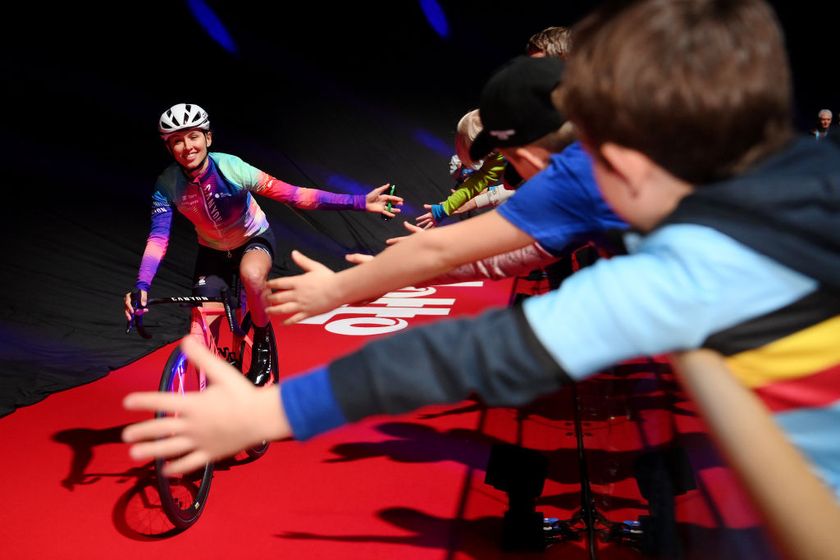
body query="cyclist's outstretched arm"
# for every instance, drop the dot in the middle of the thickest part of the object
(311, 199)
(259, 182)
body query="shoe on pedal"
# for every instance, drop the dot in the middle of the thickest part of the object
(261, 360)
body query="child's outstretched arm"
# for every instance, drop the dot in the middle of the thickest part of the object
(490, 174)
(801, 512)
(228, 416)
(517, 262)
(416, 259)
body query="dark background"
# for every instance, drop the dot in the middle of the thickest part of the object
(343, 97)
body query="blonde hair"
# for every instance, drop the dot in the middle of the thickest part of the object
(468, 128)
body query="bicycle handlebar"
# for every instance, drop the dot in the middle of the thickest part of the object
(136, 321)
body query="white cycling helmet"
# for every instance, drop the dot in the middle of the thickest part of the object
(182, 116)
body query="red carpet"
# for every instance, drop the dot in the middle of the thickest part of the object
(390, 487)
(408, 487)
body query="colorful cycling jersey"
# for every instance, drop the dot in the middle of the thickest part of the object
(220, 205)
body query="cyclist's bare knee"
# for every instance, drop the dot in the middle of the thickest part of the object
(253, 270)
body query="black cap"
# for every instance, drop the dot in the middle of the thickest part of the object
(516, 107)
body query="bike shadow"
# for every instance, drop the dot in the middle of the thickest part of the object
(137, 512)
(82, 442)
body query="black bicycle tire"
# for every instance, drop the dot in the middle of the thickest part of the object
(182, 518)
(259, 450)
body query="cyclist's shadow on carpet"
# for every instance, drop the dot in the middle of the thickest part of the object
(82, 442)
(137, 513)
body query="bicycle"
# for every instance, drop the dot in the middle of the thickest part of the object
(183, 498)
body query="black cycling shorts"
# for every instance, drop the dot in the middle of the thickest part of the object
(216, 270)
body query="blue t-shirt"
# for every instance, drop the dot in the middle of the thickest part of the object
(562, 203)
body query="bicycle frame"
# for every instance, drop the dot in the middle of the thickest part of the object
(183, 501)
(201, 318)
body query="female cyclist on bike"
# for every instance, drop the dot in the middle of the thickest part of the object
(215, 192)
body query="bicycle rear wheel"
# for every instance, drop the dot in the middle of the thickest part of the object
(244, 364)
(183, 497)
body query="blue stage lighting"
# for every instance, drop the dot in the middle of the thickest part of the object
(432, 142)
(212, 24)
(435, 16)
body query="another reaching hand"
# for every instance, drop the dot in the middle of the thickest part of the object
(435, 215)
(377, 201)
(228, 416)
(361, 258)
(410, 227)
(303, 295)
(426, 220)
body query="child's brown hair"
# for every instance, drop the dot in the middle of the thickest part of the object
(702, 87)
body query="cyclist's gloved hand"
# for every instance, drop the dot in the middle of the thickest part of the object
(137, 298)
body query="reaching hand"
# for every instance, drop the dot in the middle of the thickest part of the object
(361, 258)
(129, 309)
(304, 295)
(410, 227)
(376, 201)
(427, 220)
(228, 416)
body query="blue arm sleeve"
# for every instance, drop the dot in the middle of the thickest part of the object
(310, 405)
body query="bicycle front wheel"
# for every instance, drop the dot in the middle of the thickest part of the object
(182, 497)
(244, 364)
